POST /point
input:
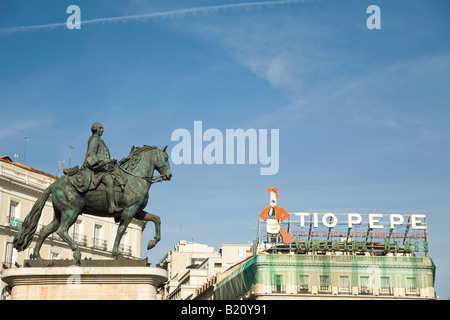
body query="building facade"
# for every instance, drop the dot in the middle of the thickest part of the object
(333, 256)
(278, 276)
(20, 187)
(190, 265)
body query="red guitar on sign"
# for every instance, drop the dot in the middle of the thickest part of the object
(273, 215)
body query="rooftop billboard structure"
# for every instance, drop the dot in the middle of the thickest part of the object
(358, 233)
(375, 233)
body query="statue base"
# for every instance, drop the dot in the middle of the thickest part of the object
(119, 279)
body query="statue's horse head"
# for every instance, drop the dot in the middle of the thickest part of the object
(142, 161)
(161, 163)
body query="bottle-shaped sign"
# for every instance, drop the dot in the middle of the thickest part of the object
(272, 215)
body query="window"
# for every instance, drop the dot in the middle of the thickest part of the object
(97, 231)
(411, 286)
(76, 228)
(197, 260)
(13, 209)
(8, 260)
(385, 288)
(78, 237)
(324, 284)
(14, 214)
(278, 283)
(303, 284)
(344, 284)
(99, 243)
(241, 255)
(124, 248)
(364, 287)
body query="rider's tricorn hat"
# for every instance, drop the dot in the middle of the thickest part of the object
(274, 190)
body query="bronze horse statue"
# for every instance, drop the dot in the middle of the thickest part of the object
(136, 169)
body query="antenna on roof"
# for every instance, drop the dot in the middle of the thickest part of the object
(70, 154)
(25, 150)
(61, 164)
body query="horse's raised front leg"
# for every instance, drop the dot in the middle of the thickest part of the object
(125, 219)
(157, 221)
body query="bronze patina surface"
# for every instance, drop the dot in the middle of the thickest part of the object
(100, 188)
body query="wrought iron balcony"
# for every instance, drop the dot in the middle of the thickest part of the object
(365, 290)
(386, 291)
(79, 239)
(303, 288)
(99, 244)
(278, 288)
(125, 250)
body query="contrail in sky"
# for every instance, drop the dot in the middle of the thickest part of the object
(147, 16)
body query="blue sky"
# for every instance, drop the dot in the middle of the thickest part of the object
(363, 114)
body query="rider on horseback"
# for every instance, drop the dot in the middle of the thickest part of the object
(100, 165)
(78, 192)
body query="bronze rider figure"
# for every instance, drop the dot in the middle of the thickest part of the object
(98, 161)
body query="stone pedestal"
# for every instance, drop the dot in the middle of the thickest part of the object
(92, 280)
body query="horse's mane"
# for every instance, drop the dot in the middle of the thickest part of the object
(130, 162)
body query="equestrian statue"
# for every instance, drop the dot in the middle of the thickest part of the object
(101, 187)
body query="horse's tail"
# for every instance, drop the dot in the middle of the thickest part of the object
(25, 234)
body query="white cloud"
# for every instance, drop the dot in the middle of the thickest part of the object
(10, 127)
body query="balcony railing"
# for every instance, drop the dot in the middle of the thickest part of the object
(324, 289)
(365, 290)
(80, 239)
(125, 250)
(386, 291)
(99, 244)
(344, 290)
(25, 177)
(412, 291)
(303, 288)
(278, 288)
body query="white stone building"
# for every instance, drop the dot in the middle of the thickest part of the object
(190, 265)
